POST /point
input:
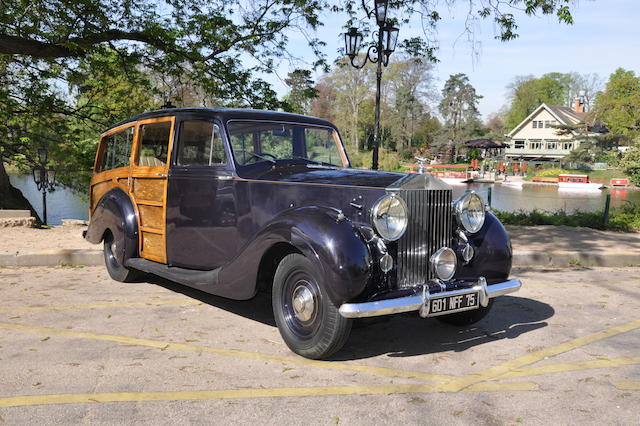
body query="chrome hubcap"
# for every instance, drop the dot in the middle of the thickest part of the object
(303, 303)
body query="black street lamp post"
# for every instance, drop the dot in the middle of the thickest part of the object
(45, 179)
(385, 39)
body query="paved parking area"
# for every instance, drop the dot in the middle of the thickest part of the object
(76, 347)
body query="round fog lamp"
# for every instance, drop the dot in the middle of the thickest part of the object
(386, 263)
(443, 263)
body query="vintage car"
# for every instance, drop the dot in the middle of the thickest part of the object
(231, 201)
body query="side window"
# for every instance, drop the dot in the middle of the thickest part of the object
(116, 150)
(200, 144)
(154, 144)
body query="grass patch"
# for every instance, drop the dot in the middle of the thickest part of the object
(624, 219)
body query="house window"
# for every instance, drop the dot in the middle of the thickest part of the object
(567, 146)
(552, 145)
(535, 124)
(535, 144)
(549, 123)
(518, 144)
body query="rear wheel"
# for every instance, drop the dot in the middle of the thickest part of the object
(467, 317)
(116, 271)
(307, 319)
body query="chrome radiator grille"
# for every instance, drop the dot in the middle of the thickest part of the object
(428, 230)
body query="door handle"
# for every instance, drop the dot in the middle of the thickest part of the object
(224, 177)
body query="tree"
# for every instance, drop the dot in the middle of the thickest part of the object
(409, 85)
(60, 61)
(619, 105)
(459, 109)
(630, 164)
(301, 92)
(351, 87)
(528, 93)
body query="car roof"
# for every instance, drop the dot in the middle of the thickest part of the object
(225, 114)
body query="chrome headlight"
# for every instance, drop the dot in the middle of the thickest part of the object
(470, 212)
(443, 263)
(389, 217)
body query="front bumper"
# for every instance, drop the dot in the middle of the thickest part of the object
(421, 302)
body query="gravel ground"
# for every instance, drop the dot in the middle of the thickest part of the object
(529, 238)
(79, 348)
(26, 240)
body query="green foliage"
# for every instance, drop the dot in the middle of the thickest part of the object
(619, 105)
(459, 108)
(301, 91)
(529, 93)
(552, 172)
(630, 164)
(407, 154)
(625, 218)
(361, 160)
(389, 161)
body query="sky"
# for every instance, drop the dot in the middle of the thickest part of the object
(604, 37)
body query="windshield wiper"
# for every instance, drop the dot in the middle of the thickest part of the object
(263, 157)
(317, 163)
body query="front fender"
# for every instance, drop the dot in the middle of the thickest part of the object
(493, 253)
(335, 246)
(115, 213)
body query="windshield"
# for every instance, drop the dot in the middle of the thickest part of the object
(258, 141)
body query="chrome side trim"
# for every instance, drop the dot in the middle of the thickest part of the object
(421, 302)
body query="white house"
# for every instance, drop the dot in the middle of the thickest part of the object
(538, 138)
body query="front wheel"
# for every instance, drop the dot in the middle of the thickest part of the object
(117, 271)
(467, 317)
(308, 321)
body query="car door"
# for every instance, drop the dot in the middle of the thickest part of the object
(201, 211)
(148, 184)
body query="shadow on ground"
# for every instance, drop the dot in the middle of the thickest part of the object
(402, 335)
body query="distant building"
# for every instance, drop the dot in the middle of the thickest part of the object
(537, 136)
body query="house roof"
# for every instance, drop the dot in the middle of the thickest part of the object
(564, 115)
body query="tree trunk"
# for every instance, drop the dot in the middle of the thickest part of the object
(12, 198)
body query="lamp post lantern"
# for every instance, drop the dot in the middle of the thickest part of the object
(44, 178)
(385, 40)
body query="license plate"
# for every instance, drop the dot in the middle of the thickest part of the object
(455, 303)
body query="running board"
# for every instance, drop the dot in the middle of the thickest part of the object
(202, 280)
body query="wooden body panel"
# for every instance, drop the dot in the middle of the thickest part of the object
(149, 193)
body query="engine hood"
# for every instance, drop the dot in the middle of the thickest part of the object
(327, 176)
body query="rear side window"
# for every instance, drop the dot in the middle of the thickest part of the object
(116, 150)
(200, 144)
(154, 144)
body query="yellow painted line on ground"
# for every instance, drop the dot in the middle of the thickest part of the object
(627, 385)
(80, 398)
(230, 352)
(571, 366)
(100, 306)
(495, 372)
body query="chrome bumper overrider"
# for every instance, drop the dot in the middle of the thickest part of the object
(421, 302)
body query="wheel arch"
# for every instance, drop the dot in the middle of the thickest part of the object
(115, 213)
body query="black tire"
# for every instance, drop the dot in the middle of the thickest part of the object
(311, 326)
(117, 271)
(465, 318)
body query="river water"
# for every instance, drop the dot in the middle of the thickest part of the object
(65, 204)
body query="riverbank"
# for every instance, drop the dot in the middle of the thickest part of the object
(557, 246)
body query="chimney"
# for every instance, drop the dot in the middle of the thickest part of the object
(578, 104)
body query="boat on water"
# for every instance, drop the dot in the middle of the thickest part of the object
(578, 182)
(513, 184)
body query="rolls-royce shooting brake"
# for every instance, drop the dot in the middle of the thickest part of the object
(231, 201)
